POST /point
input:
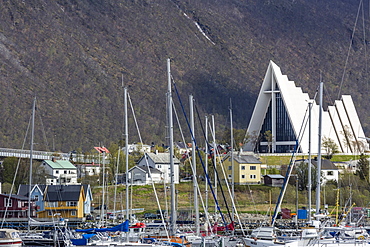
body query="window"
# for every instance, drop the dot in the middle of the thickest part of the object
(7, 202)
(50, 213)
(36, 197)
(230, 168)
(73, 213)
(330, 173)
(72, 204)
(253, 168)
(52, 204)
(243, 176)
(229, 176)
(56, 172)
(65, 172)
(252, 176)
(243, 167)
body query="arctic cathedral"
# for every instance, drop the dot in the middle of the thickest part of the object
(280, 120)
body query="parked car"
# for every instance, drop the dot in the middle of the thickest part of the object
(89, 217)
(150, 216)
(187, 179)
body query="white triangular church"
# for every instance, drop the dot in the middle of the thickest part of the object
(282, 108)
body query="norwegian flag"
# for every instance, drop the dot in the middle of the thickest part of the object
(185, 155)
(102, 149)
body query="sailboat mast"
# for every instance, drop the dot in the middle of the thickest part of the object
(194, 164)
(126, 154)
(172, 165)
(206, 165)
(102, 208)
(31, 161)
(309, 162)
(214, 158)
(232, 162)
(318, 187)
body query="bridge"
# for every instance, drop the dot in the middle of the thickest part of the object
(43, 155)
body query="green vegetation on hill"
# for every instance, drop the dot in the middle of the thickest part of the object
(75, 56)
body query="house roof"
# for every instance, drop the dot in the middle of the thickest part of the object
(161, 158)
(62, 193)
(181, 145)
(274, 176)
(19, 197)
(325, 164)
(60, 164)
(145, 169)
(244, 159)
(23, 189)
(87, 190)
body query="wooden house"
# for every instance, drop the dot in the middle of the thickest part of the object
(247, 168)
(15, 206)
(37, 194)
(66, 201)
(274, 180)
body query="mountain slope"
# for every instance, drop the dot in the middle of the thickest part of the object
(75, 55)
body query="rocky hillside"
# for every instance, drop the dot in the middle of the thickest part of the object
(76, 55)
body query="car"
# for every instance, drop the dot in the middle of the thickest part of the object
(150, 216)
(89, 217)
(187, 179)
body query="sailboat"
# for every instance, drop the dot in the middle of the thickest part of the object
(10, 238)
(36, 239)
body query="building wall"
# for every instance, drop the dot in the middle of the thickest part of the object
(39, 202)
(341, 114)
(164, 168)
(250, 176)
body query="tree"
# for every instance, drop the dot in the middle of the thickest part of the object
(348, 136)
(39, 174)
(302, 173)
(358, 146)
(330, 146)
(9, 169)
(239, 137)
(363, 168)
(269, 138)
(255, 138)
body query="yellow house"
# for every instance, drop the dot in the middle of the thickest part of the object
(66, 201)
(247, 168)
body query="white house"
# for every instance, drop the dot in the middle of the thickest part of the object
(88, 198)
(142, 175)
(89, 169)
(142, 148)
(161, 161)
(328, 170)
(61, 172)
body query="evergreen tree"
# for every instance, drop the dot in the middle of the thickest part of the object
(363, 168)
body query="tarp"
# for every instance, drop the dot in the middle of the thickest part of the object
(83, 240)
(123, 227)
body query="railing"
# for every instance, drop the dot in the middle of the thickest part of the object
(44, 155)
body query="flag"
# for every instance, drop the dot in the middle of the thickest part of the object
(102, 149)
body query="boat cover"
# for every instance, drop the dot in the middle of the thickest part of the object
(123, 227)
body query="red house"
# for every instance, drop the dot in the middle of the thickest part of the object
(17, 206)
